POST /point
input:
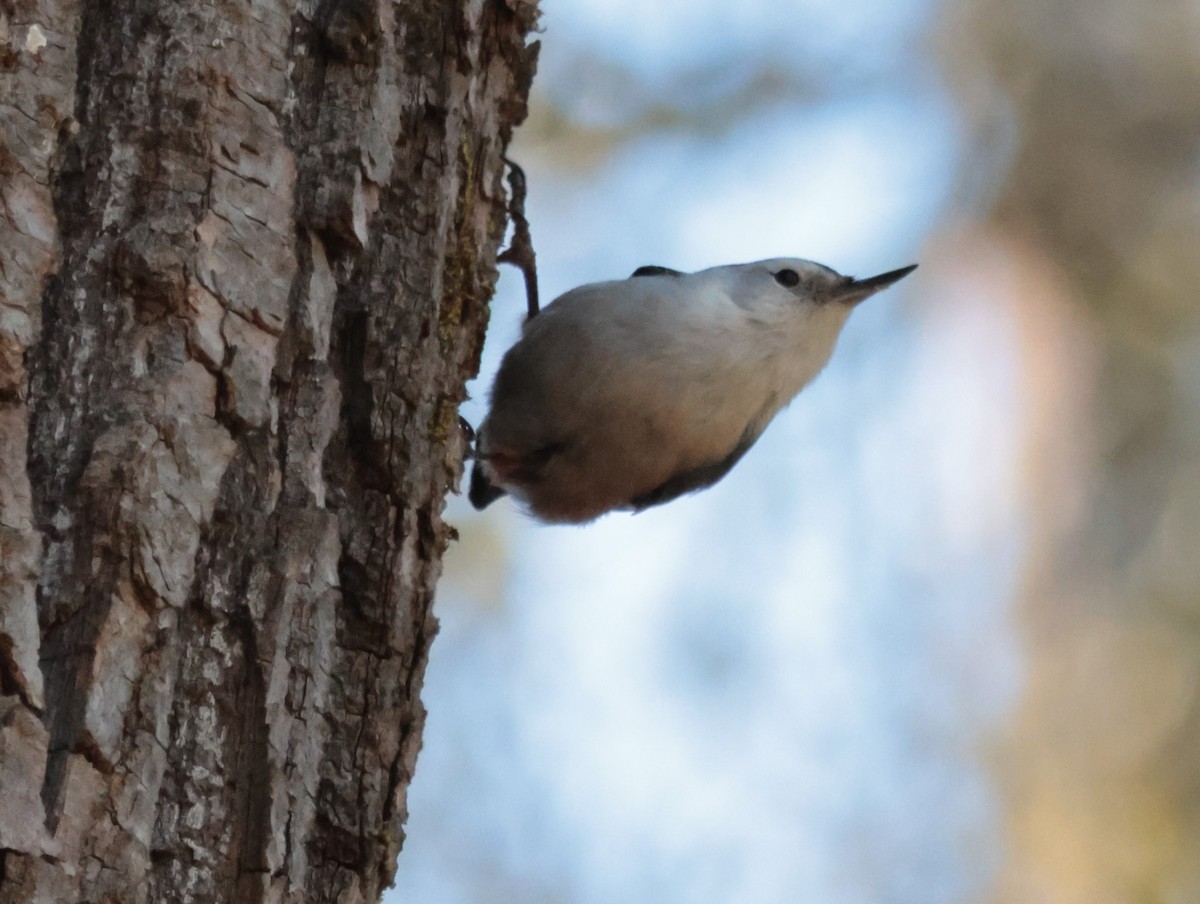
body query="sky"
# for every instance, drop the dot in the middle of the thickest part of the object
(778, 689)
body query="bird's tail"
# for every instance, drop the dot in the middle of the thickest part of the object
(482, 492)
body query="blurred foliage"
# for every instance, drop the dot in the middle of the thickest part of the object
(1102, 765)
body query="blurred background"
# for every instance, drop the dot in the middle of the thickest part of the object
(937, 637)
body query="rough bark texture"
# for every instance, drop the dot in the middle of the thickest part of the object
(246, 251)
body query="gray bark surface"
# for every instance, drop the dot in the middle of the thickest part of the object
(246, 251)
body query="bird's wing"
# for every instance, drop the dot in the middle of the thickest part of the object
(655, 270)
(699, 478)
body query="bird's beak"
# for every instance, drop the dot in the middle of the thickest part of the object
(856, 290)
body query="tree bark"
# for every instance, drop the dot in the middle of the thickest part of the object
(246, 252)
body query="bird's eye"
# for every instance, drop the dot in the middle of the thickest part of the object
(787, 278)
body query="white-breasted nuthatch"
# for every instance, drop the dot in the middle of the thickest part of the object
(630, 393)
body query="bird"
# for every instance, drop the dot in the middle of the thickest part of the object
(627, 394)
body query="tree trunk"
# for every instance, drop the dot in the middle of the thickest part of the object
(246, 251)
